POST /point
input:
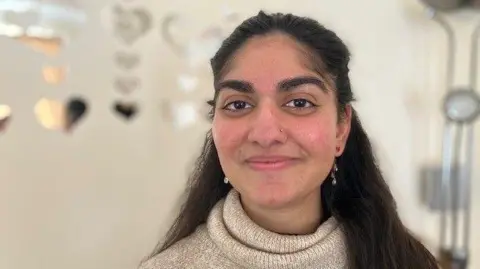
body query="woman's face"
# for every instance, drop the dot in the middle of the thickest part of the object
(275, 125)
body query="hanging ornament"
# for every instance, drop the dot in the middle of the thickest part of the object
(44, 25)
(75, 110)
(126, 84)
(199, 48)
(60, 116)
(172, 31)
(50, 113)
(131, 24)
(5, 117)
(54, 75)
(127, 24)
(125, 109)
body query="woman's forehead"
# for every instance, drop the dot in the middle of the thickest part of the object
(265, 61)
(268, 55)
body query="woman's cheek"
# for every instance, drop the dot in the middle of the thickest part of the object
(318, 137)
(227, 136)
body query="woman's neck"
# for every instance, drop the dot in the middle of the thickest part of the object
(244, 242)
(299, 218)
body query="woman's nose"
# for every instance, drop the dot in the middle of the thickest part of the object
(266, 127)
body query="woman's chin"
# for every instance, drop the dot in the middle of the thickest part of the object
(272, 198)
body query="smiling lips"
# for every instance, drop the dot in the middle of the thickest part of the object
(270, 163)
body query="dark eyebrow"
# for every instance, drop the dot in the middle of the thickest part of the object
(237, 85)
(289, 84)
(284, 85)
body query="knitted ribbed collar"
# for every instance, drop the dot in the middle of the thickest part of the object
(244, 242)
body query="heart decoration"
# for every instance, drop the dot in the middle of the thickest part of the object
(212, 34)
(75, 110)
(126, 110)
(48, 46)
(50, 113)
(5, 117)
(126, 60)
(126, 84)
(56, 115)
(131, 24)
(168, 36)
(54, 75)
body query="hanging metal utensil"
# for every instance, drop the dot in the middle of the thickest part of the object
(461, 108)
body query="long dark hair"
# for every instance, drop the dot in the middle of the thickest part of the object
(361, 199)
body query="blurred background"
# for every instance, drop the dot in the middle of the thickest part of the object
(102, 113)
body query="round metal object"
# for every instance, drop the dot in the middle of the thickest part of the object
(462, 106)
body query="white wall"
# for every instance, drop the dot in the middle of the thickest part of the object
(100, 197)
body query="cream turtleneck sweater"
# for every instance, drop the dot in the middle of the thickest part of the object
(230, 239)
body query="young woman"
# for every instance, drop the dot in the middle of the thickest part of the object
(287, 177)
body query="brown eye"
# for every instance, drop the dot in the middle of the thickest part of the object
(237, 105)
(300, 103)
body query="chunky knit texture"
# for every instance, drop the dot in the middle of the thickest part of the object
(231, 240)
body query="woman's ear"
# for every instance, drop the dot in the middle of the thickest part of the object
(343, 130)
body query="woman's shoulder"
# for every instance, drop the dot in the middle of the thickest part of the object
(184, 253)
